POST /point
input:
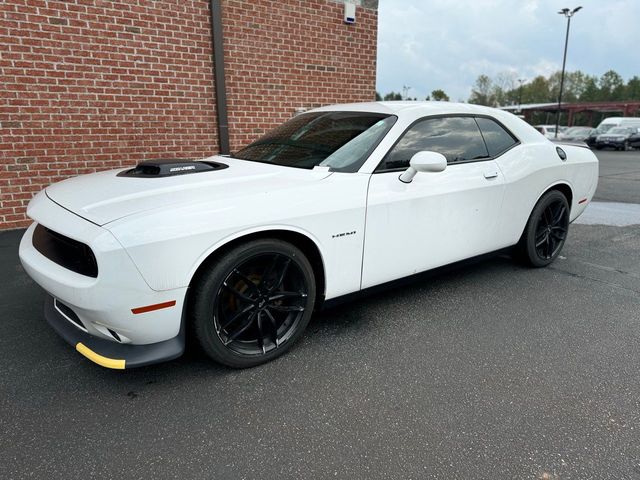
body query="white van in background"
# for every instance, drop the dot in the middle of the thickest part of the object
(608, 123)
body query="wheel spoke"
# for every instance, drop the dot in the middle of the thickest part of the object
(286, 308)
(543, 240)
(548, 246)
(241, 330)
(245, 279)
(260, 333)
(545, 217)
(560, 216)
(274, 327)
(283, 273)
(238, 315)
(281, 295)
(552, 245)
(269, 271)
(237, 293)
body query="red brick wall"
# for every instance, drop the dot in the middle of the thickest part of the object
(87, 85)
(287, 54)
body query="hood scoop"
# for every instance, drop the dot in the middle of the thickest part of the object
(170, 168)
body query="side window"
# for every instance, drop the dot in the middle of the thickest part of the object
(497, 138)
(457, 138)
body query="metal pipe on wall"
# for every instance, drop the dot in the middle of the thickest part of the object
(218, 76)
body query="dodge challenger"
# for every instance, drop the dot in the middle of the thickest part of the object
(236, 252)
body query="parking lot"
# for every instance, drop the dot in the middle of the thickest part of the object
(488, 371)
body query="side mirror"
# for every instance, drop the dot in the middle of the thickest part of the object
(424, 162)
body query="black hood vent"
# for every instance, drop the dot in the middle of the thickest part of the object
(170, 167)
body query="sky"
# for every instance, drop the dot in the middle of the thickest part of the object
(447, 44)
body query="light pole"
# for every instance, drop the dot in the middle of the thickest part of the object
(521, 81)
(568, 13)
(405, 92)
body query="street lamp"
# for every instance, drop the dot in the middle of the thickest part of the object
(521, 81)
(568, 13)
(405, 92)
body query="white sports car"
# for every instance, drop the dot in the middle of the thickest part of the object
(238, 251)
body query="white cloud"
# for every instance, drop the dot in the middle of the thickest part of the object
(444, 44)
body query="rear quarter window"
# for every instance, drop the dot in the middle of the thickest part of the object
(498, 140)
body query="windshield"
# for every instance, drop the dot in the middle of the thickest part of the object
(339, 140)
(620, 130)
(605, 128)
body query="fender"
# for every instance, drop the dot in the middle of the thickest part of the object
(251, 231)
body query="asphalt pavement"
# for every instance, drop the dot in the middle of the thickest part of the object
(489, 371)
(619, 176)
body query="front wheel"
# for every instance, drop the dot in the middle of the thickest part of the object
(546, 230)
(253, 303)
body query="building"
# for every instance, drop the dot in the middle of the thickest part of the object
(87, 85)
(585, 113)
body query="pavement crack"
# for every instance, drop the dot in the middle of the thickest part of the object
(618, 174)
(608, 269)
(594, 279)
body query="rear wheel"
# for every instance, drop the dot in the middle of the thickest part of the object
(252, 304)
(546, 230)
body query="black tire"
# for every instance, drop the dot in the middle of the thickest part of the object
(235, 316)
(546, 230)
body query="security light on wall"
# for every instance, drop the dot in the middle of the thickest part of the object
(349, 12)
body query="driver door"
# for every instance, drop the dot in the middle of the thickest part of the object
(438, 218)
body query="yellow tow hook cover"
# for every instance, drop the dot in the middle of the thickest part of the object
(99, 359)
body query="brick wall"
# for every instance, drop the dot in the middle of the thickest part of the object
(280, 56)
(88, 85)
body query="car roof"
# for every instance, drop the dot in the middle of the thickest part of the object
(414, 110)
(423, 108)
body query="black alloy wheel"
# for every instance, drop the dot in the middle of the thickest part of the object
(546, 230)
(260, 304)
(252, 304)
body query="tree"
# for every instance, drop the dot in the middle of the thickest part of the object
(439, 96)
(393, 96)
(503, 88)
(378, 97)
(481, 92)
(537, 91)
(612, 86)
(632, 90)
(591, 92)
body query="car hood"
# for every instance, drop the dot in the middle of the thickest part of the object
(105, 197)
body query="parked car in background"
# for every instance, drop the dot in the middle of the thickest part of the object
(616, 138)
(609, 123)
(634, 140)
(548, 131)
(575, 134)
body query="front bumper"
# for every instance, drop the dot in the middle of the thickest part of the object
(610, 143)
(112, 309)
(107, 353)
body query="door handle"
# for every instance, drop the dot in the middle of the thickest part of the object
(491, 174)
